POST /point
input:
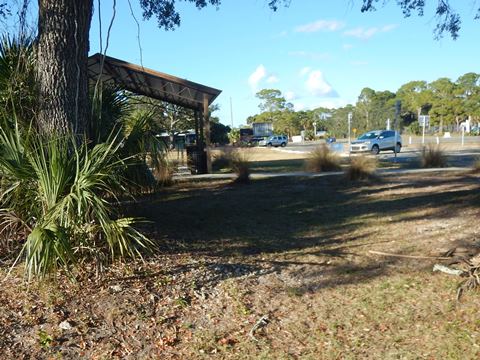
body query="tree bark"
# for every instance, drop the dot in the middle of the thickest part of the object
(62, 65)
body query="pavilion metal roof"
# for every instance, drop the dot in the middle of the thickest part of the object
(151, 83)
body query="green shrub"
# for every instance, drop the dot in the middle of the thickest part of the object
(62, 191)
(361, 168)
(323, 159)
(433, 157)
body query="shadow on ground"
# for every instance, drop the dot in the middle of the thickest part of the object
(277, 215)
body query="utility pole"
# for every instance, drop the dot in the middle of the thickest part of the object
(398, 106)
(349, 127)
(231, 111)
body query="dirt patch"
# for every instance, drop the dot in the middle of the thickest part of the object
(277, 269)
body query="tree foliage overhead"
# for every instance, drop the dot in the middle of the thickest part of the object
(448, 19)
(166, 13)
(168, 17)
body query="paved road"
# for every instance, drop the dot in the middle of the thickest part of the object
(457, 155)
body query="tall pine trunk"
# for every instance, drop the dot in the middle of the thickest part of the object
(62, 72)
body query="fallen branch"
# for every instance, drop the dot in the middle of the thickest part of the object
(259, 324)
(447, 270)
(410, 256)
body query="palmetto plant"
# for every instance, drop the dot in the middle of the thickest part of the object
(58, 194)
(17, 78)
(114, 111)
(61, 191)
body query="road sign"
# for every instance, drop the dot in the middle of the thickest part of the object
(424, 120)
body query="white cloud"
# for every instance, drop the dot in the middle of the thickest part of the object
(320, 25)
(290, 95)
(272, 79)
(367, 33)
(317, 85)
(388, 28)
(281, 34)
(304, 71)
(347, 46)
(257, 76)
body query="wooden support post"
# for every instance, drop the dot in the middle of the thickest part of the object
(206, 125)
(197, 132)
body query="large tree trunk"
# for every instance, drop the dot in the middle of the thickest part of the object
(63, 28)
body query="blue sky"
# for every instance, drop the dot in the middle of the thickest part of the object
(318, 53)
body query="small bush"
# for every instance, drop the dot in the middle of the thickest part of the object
(61, 193)
(164, 172)
(323, 159)
(433, 157)
(240, 165)
(221, 161)
(476, 165)
(361, 168)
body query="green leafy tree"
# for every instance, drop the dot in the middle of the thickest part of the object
(468, 90)
(234, 136)
(338, 123)
(63, 44)
(219, 133)
(414, 97)
(373, 108)
(443, 102)
(272, 100)
(364, 106)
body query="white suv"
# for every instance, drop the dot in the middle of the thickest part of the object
(276, 140)
(376, 141)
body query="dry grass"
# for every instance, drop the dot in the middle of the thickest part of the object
(240, 164)
(361, 168)
(236, 160)
(164, 173)
(323, 159)
(325, 295)
(433, 156)
(221, 160)
(476, 166)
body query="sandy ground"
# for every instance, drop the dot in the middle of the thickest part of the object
(279, 269)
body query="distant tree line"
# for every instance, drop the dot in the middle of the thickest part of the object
(447, 102)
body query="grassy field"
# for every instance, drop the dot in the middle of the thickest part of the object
(291, 251)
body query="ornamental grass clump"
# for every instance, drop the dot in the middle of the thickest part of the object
(476, 166)
(361, 168)
(221, 161)
(323, 159)
(433, 157)
(240, 164)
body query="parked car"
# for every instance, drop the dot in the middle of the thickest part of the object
(256, 140)
(276, 141)
(475, 131)
(376, 141)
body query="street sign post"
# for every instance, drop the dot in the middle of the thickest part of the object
(349, 126)
(398, 106)
(423, 121)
